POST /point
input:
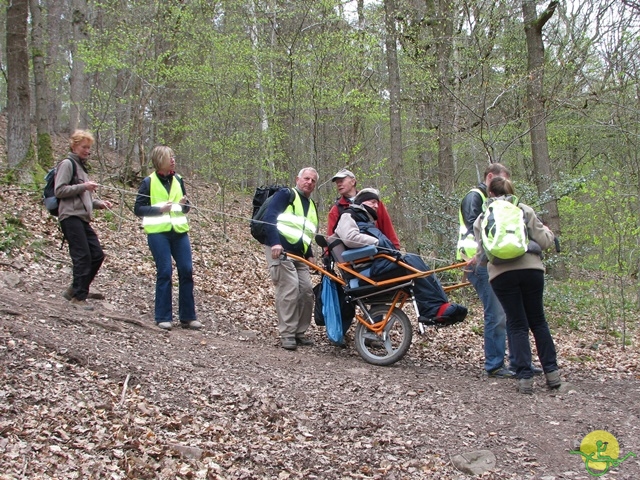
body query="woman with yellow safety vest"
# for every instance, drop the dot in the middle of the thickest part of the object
(162, 204)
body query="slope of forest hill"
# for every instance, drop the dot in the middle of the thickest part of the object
(105, 394)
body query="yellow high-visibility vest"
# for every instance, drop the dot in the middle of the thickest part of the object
(172, 220)
(295, 227)
(467, 245)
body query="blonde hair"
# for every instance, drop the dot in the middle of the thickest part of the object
(79, 136)
(159, 155)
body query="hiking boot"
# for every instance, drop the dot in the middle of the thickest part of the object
(450, 313)
(68, 293)
(525, 385)
(501, 372)
(164, 325)
(82, 304)
(288, 343)
(304, 341)
(536, 371)
(553, 379)
(426, 320)
(192, 325)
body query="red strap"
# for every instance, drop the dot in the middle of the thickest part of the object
(442, 309)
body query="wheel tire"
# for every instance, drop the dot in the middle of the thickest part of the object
(399, 334)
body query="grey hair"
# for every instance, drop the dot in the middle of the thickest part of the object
(301, 172)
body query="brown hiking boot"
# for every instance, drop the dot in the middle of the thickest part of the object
(82, 304)
(68, 293)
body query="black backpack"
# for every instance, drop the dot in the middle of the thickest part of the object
(48, 193)
(261, 199)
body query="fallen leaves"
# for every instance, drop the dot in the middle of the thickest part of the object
(107, 395)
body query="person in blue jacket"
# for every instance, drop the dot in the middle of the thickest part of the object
(291, 221)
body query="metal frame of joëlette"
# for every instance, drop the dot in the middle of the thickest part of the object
(400, 297)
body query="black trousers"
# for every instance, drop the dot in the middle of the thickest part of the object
(86, 254)
(520, 292)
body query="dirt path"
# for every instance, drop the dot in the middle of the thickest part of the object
(227, 403)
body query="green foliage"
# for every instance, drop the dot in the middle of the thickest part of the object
(13, 233)
(606, 203)
(10, 177)
(591, 304)
(478, 330)
(110, 218)
(249, 92)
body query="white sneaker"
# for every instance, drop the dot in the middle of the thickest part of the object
(193, 325)
(164, 325)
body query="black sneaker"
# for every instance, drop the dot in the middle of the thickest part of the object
(288, 343)
(501, 372)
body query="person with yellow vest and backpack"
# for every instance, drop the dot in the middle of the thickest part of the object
(495, 322)
(162, 204)
(291, 222)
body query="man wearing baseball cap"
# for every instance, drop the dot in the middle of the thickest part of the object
(345, 181)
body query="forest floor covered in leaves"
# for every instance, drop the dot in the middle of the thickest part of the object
(106, 394)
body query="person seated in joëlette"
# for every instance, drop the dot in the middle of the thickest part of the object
(356, 228)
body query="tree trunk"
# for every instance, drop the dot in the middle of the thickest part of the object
(56, 37)
(443, 32)
(19, 148)
(45, 150)
(395, 117)
(79, 91)
(265, 130)
(543, 174)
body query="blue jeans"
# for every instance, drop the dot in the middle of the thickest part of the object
(495, 320)
(427, 291)
(163, 246)
(520, 293)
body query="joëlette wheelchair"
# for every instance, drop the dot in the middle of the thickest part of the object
(383, 331)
